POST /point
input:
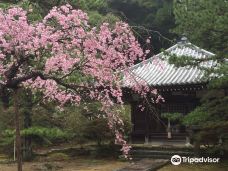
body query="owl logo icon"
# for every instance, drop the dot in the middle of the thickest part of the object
(176, 160)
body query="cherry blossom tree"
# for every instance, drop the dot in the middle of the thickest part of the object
(67, 61)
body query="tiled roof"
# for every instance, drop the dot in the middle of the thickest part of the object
(157, 72)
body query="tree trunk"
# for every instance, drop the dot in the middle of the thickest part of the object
(196, 147)
(27, 148)
(18, 136)
(27, 145)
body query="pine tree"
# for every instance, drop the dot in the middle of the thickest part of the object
(205, 24)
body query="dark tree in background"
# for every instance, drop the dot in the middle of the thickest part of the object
(153, 17)
(205, 24)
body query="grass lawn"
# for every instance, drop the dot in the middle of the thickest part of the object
(197, 167)
(71, 165)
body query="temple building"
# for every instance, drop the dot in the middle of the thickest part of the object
(180, 87)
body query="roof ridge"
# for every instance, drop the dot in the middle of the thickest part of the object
(198, 49)
(170, 75)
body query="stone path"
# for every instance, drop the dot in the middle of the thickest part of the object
(145, 165)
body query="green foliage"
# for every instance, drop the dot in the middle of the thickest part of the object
(79, 122)
(96, 19)
(34, 10)
(125, 114)
(6, 120)
(41, 134)
(7, 138)
(203, 22)
(87, 5)
(172, 116)
(213, 109)
(212, 117)
(51, 134)
(214, 136)
(155, 16)
(196, 117)
(4, 5)
(97, 9)
(88, 123)
(152, 14)
(97, 130)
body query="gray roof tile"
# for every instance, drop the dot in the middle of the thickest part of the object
(168, 74)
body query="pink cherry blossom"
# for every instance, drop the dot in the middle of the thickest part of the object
(69, 61)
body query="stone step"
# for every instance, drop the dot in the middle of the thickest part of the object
(159, 133)
(165, 147)
(158, 154)
(175, 134)
(160, 136)
(164, 137)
